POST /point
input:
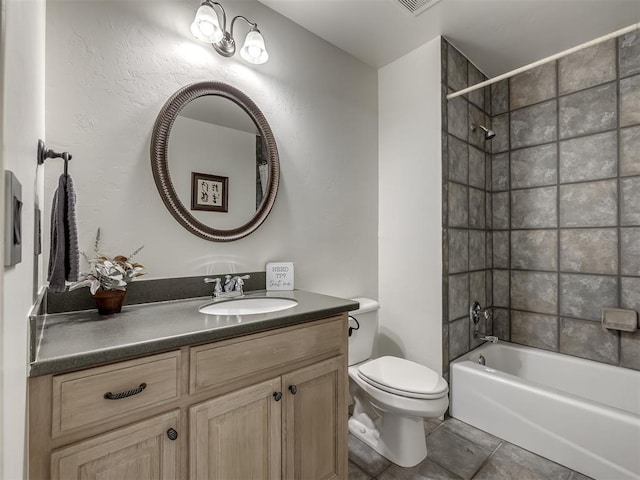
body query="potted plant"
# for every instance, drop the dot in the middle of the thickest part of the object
(108, 277)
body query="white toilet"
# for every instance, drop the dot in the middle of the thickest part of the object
(391, 395)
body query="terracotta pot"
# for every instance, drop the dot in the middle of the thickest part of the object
(109, 301)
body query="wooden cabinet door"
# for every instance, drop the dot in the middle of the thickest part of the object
(315, 422)
(142, 451)
(238, 436)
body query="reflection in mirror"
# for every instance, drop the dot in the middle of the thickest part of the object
(215, 161)
(213, 136)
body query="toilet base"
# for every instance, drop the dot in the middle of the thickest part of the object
(400, 439)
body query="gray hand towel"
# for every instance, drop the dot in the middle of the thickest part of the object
(64, 257)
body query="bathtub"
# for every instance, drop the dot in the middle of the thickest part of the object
(582, 414)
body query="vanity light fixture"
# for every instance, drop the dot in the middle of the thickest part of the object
(206, 27)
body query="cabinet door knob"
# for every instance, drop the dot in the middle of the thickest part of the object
(293, 389)
(172, 434)
(277, 396)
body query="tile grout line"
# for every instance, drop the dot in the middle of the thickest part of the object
(559, 95)
(589, 227)
(452, 432)
(444, 108)
(533, 312)
(492, 452)
(468, 117)
(619, 192)
(558, 208)
(509, 221)
(578, 136)
(486, 460)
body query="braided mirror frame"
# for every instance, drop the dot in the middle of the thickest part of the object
(160, 160)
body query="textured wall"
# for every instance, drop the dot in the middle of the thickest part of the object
(111, 65)
(466, 204)
(566, 207)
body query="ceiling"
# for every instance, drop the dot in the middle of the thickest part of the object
(497, 35)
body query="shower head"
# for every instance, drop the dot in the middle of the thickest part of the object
(488, 134)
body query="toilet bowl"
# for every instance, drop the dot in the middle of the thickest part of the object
(392, 396)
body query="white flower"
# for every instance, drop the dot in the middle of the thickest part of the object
(106, 273)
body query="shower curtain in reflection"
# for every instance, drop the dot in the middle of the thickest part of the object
(262, 171)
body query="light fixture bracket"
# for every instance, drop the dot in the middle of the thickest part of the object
(225, 47)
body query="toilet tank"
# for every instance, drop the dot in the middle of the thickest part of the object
(361, 340)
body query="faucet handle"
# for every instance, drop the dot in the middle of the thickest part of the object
(239, 282)
(217, 288)
(476, 311)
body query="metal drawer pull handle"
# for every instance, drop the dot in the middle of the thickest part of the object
(172, 434)
(277, 396)
(293, 389)
(130, 393)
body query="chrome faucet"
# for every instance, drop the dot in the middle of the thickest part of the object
(486, 338)
(475, 312)
(232, 286)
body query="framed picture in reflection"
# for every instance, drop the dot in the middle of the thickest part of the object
(209, 192)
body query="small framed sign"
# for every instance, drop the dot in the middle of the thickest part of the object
(209, 192)
(280, 276)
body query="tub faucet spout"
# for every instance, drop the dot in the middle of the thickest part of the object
(486, 338)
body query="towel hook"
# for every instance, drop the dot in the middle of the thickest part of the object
(44, 153)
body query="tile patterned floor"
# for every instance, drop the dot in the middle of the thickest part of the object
(458, 451)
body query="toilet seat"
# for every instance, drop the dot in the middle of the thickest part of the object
(403, 377)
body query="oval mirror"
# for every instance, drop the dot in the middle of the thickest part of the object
(215, 161)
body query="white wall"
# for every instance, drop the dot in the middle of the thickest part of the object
(2, 57)
(110, 68)
(23, 123)
(410, 210)
(214, 150)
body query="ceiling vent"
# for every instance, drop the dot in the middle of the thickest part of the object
(415, 7)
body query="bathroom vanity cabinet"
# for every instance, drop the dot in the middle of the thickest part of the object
(267, 405)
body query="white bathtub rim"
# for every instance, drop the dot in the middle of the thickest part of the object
(468, 360)
(556, 394)
(592, 462)
(536, 351)
(528, 443)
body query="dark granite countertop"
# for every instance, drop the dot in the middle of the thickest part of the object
(76, 340)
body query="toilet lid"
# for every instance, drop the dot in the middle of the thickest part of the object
(403, 377)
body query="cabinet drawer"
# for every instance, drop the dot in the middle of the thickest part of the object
(79, 398)
(215, 364)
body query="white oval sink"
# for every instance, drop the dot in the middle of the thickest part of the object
(247, 306)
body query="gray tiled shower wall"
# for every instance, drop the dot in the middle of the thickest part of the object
(466, 203)
(565, 191)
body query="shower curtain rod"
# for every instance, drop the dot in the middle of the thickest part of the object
(604, 38)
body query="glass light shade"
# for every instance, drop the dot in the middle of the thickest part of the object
(253, 50)
(205, 26)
